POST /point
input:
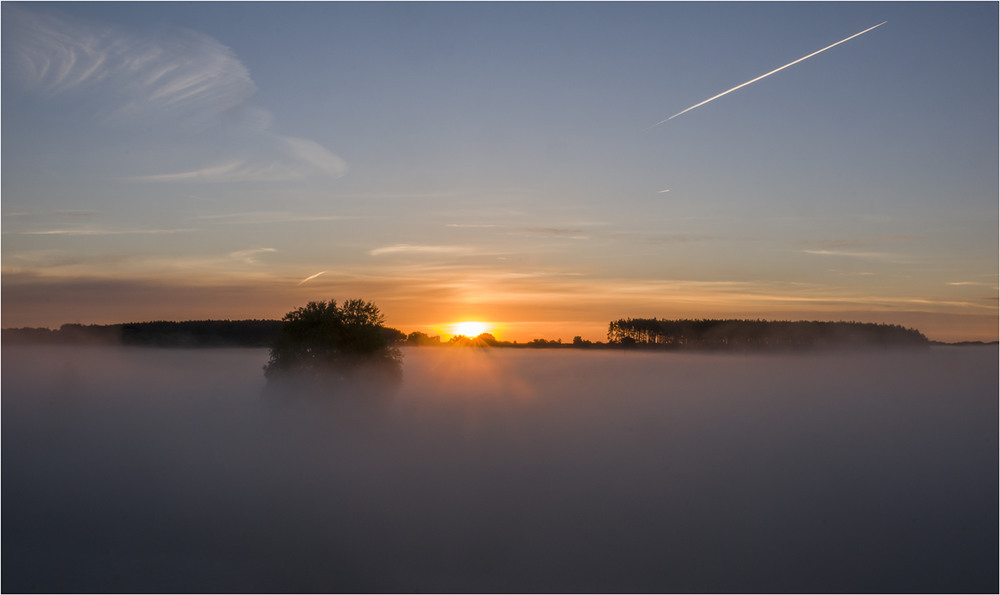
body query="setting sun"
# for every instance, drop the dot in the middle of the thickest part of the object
(470, 328)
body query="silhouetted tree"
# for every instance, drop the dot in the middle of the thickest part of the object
(393, 336)
(419, 338)
(331, 343)
(461, 341)
(544, 343)
(487, 339)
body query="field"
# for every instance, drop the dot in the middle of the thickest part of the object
(142, 469)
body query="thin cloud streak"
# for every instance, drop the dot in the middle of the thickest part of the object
(767, 74)
(266, 217)
(321, 162)
(214, 173)
(310, 278)
(314, 155)
(863, 255)
(572, 234)
(99, 232)
(837, 244)
(418, 249)
(293, 159)
(400, 195)
(250, 256)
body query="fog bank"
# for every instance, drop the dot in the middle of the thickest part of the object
(130, 469)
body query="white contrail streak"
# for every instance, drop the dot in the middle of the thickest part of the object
(768, 74)
(311, 277)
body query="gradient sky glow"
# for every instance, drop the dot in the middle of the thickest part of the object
(498, 162)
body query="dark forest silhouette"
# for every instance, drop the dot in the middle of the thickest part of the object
(192, 333)
(646, 333)
(758, 334)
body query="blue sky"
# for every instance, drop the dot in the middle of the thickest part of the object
(498, 161)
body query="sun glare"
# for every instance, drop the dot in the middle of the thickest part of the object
(470, 328)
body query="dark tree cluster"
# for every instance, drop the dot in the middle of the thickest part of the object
(328, 342)
(78, 334)
(544, 343)
(418, 339)
(729, 334)
(192, 333)
(201, 333)
(481, 340)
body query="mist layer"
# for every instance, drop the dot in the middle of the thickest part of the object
(128, 469)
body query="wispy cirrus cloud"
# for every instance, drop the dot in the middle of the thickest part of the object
(294, 158)
(178, 80)
(581, 230)
(99, 231)
(421, 249)
(180, 73)
(840, 243)
(573, 234)
(402, 195)
(250, 255)
(886, 256)
(972, 283)
(673, 239)
(214, 173)
(265, 217)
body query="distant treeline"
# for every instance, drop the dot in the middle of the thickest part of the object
(419, 339)
(192, 333)
(647, 333)
(757, 334)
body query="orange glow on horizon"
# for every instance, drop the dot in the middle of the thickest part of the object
(470, 328)
(555, 310)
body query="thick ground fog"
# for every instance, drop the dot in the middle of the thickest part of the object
(130, 469)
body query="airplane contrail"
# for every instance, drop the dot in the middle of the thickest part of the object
(768, 74)
(311, 277)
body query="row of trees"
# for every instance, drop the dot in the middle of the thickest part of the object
(191, 333)
(688, 334)
(362, 324)
(326, 346)
(419, 339)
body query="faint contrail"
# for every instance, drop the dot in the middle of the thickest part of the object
(768, 74)
(311, 277)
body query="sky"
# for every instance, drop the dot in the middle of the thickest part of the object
(502, 162)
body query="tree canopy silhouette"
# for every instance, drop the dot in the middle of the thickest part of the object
(333, 343)
(728, 334)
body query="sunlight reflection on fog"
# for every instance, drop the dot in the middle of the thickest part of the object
(502, 470)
